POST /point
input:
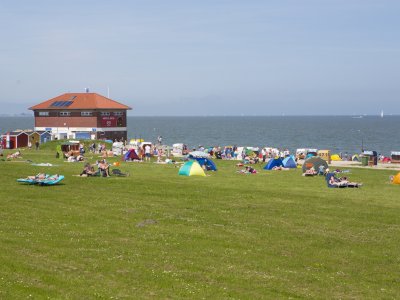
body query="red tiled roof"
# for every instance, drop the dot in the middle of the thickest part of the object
(81, 101)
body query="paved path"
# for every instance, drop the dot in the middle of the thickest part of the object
(355, 164)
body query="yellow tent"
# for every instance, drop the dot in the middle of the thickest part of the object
(335, 157)
(396, 179)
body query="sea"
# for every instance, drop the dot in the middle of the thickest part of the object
(340, 134)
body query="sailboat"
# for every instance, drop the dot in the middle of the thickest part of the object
(381, 113)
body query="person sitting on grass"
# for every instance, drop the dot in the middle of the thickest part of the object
(336, 182)
(104, 168)
(88, 170)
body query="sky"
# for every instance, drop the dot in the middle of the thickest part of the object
(208, 57)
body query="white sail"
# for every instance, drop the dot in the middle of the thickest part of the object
(381, 113)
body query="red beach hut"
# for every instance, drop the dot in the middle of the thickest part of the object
(15, 139)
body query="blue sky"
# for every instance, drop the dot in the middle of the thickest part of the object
(205, 57)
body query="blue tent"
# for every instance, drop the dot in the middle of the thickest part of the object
(273, 162)
(210, 165)
(289, 162)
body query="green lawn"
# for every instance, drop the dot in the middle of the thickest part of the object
(155, 234)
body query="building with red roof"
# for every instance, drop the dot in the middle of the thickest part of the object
(82, 116)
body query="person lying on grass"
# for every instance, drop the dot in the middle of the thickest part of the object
(310, 172)
(38, 176)
(14, 155)
(50, 178)
(343, 181)
(279, 168)
(248, 170)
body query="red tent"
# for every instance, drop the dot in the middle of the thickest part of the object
(130, 155)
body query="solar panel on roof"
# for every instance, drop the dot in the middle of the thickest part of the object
(61, 103)
(67, 103)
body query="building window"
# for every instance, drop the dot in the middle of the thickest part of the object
(105, 113)
(118, 113)
(86, 113)
(43, 113)
(65, 113)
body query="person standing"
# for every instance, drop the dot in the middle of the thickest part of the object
(147, 152)
(81, 148)
(264, 154)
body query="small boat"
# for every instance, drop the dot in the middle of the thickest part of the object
(357, 117)
(381, 113)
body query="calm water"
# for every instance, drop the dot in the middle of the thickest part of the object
(339, 134)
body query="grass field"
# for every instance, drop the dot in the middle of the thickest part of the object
(157, 235)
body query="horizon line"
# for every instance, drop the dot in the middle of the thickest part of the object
(233, 115)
